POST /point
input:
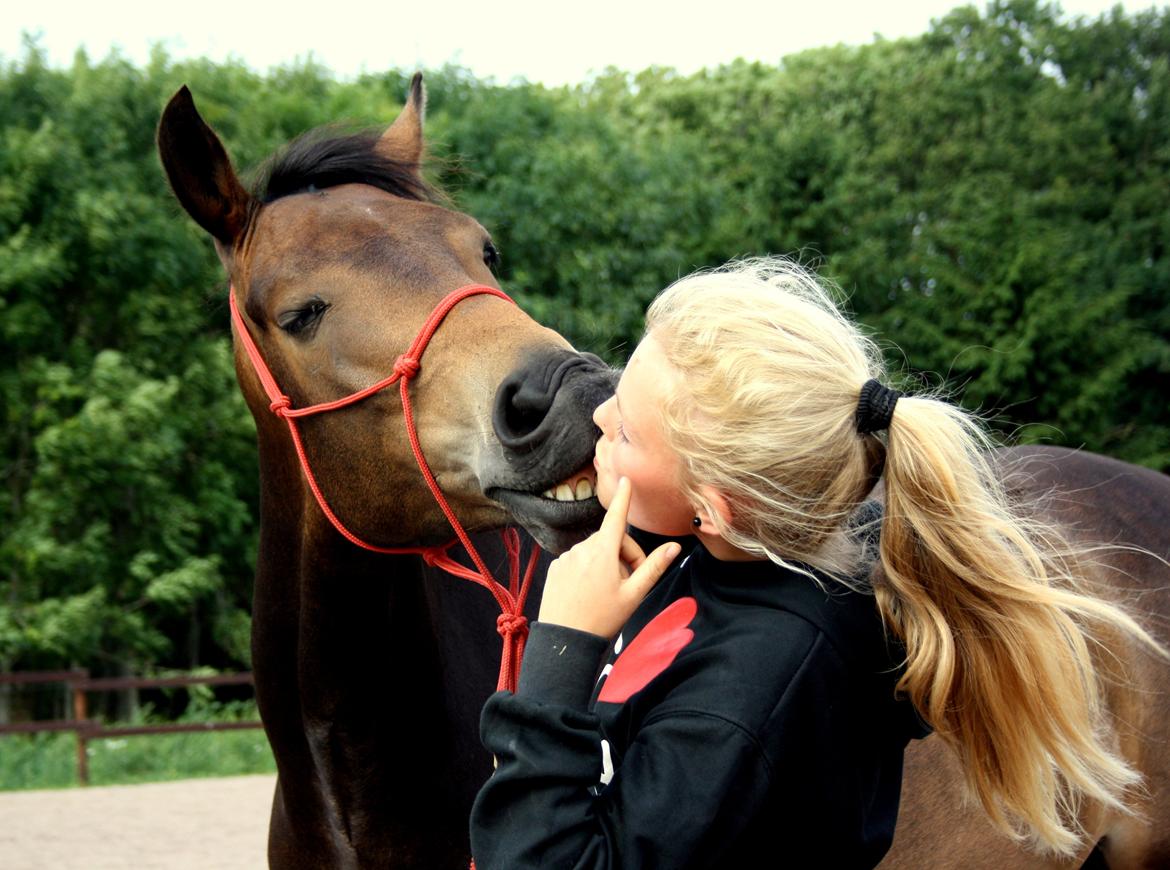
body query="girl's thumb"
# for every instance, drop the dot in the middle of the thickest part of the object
(654, 567)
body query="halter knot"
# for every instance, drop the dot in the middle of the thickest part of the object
(406, 366)
(508, 624)
(280, 405)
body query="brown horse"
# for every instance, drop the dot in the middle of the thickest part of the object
(371, 669)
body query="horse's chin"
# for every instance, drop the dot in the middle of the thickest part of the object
(555, 525)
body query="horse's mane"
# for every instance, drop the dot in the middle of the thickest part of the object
(326, 157)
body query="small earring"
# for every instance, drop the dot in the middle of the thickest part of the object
(696, 522)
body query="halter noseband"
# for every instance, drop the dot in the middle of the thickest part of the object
(511, 624)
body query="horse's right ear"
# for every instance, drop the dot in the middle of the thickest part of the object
(200, 171)
(403, 141)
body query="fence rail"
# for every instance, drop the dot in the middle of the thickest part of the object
(79, 682)
(42, 677)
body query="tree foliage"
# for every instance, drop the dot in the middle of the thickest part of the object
(990, 196)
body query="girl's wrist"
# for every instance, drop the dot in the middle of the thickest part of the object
(560, 665)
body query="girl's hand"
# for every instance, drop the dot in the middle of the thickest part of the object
(597, 585)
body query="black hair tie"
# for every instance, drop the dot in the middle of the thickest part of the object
(875, 407)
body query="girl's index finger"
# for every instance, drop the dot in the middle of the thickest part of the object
(613, 526)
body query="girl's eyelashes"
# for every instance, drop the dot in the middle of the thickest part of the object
(622, 432)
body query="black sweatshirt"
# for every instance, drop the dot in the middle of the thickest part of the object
(744, 718)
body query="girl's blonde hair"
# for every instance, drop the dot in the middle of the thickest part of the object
(996, 624)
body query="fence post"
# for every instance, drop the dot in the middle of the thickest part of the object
(81, 716)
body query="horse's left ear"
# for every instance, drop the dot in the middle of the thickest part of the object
(403, 141)
(201, 172)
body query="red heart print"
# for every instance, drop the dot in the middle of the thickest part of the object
(651, 652)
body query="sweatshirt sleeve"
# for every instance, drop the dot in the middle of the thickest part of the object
(686, 788)
(661, 809)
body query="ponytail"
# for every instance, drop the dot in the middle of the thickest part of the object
(998, 632)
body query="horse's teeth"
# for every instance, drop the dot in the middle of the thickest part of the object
(578, 490)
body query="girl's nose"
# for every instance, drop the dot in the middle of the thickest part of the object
(601, 415)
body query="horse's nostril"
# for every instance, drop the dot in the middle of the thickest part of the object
(521, 415)
(555, 386)
(526, 398)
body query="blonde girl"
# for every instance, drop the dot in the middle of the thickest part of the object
(760, 695)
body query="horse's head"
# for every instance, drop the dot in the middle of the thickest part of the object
(336, 259)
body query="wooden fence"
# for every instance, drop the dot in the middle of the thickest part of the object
(79, 682)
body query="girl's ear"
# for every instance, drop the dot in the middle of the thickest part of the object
(718, 504)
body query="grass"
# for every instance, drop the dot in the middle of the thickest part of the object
(50, 760)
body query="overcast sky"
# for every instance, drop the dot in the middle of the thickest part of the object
(548, 41)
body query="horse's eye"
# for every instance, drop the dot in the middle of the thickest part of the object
(491, 256)
(299, 320)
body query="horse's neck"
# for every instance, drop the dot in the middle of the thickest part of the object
(370, 672)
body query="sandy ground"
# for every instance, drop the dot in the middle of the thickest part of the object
(210, 824)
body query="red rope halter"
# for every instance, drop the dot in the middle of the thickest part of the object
(511, 624)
